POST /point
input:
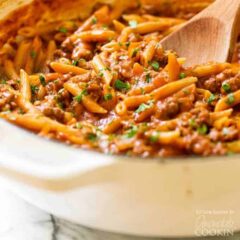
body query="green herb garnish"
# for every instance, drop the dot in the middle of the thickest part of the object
(94, 20)
(230, 99)
(107, 97)
(34, 89)
(192, 123)
(132, 132)
(226, 87)
(92, 137)
(154, 137)
(42, 80)
(211, 99)
(75, 62)
(127, 44)
(63, 30)
(120, 85)
(135, 52)
(148, 78)
(182, 75)
(155, 65)
(78, 98)
(143, 107)
(203, 129)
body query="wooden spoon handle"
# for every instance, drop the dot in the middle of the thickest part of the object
(227, 11)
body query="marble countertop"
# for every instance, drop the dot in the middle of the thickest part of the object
(20, 220)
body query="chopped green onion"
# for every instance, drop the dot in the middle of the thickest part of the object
(154, 137)
(42, 80)
(192, 123)
(34, 89)
(79, 97)
(230, 99)
(142, 108)
(63, 30)
(127, 44)
(155, 65)
(203, 129)
(135, 52)
(107, 96)
(148, 78)
(182, 75)
(75, 62)
(120, 85)
(132, 132)
(226, 87)
(94, 20)
(211, 99)
(92, 137)
(133, 23)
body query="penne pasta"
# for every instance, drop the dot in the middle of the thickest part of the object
(66, 68)
(227, 102)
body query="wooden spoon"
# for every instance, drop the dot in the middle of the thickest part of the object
(209, 36)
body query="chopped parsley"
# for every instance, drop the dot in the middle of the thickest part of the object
(148, 78)
(211, 99)
(92, 137)
(127, 44)
(63, 30)
(203, 129)
(133, 23)
(155, 65)
(33, 54)
(100, 74)
(120, 85)
(42, 80)
(75, 62)
(154, 137)
(78, 98)
(226, 87)
(182, 75)
(132, 132)
(143, 107)
(230, 99)
(94, 20)
(34, 89)
(192, 123)
(135, 52)
(108, 97)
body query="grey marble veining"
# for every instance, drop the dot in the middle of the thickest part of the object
(22, 221)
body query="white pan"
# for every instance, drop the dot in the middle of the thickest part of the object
(121, 194)
(176, 197)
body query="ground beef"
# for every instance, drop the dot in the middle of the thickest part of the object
(167, 109)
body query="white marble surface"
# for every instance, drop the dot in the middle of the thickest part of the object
(22, 221)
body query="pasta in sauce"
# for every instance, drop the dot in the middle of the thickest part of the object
(107, 84)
